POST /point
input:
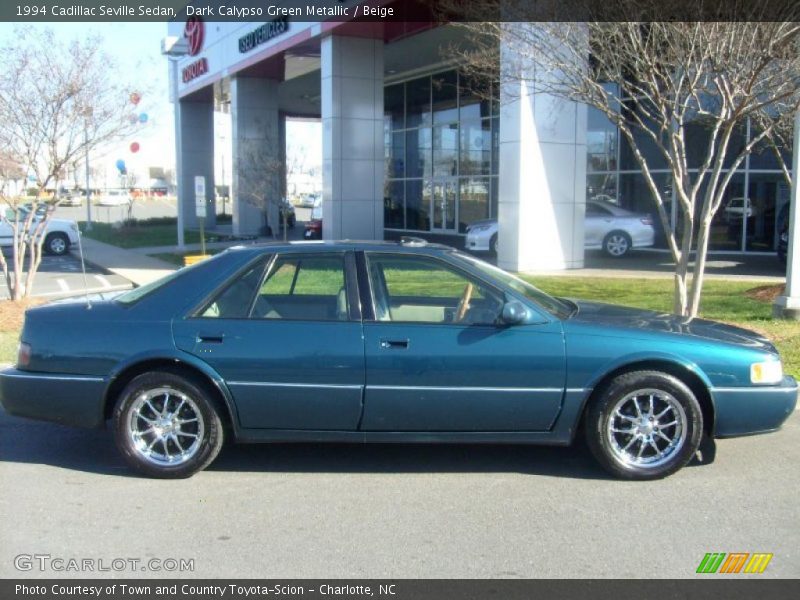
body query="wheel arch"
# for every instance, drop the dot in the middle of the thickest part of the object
(180, 365)
(688, 374)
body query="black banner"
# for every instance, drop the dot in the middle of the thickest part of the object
(738, 588)
(388, 11)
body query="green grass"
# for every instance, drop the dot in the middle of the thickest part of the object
(139, 235)
(8, 346)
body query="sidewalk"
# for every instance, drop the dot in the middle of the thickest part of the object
(133, 266)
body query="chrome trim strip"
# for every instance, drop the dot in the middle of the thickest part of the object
(461, 388)
(50, 376)
(296, 385)
(783, 389)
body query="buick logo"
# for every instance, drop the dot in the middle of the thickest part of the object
(194, 31)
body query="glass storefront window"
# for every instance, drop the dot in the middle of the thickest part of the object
(418, 102)
(418, 203)
(394, 205)
(602, 188)
(634, 194)
(444, 95)
(394, 101)
(769, 206)
(445, 150)
(601, 142)
(475, 202)
(474, 95)
(395, 154)
(476, 148)
(418, 152)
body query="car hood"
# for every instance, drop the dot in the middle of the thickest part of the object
(598, 314)
(490, 222)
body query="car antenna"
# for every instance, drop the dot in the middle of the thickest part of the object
(83, 268)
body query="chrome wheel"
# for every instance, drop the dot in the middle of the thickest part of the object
(165, 426)
(617, 244)
(646, 428)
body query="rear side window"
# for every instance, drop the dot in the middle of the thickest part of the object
(235, 300)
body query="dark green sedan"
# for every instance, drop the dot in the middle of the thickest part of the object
(386, 342)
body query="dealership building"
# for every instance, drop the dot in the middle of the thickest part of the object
(413, 146)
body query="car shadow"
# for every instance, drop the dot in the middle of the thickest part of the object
(93, 451)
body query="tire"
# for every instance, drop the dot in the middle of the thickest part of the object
(493, 245)
(56, 244)
(665, 431)
(139, 411)
(617, 244)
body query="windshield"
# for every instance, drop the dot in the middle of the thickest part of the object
(140, 292)
(560, 309)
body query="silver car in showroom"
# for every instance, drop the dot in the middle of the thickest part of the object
(607, 227)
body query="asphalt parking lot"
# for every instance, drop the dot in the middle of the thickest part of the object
(62, 276)
(396, 511)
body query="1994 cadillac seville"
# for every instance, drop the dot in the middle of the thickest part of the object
(386, 342)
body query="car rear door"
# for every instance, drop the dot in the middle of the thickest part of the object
(434, 363)
(286, 337)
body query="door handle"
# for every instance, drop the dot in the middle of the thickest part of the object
(394, 344)
(205, 338)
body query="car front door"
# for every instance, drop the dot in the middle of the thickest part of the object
(439, 359)
(286, 337)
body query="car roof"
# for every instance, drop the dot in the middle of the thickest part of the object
(409, 244)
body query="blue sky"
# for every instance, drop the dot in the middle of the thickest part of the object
(135, 50)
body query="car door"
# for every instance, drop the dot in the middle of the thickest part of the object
(439, 359)
(286, 337)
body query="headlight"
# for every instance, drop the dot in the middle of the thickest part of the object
(766, 372)
(479, 228)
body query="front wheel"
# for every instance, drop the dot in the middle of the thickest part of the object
(644, 425)
(166, 426)
(56, 244)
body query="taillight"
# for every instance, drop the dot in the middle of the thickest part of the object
(646, 221)
(23, 355)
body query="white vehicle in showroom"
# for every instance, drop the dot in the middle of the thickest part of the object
(606, 227)
(59, 235)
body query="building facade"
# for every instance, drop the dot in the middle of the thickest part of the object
(414, 146)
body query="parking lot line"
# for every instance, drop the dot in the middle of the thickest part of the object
(63, 285)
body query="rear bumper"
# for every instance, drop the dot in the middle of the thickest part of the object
(75, 400)
(751, 410)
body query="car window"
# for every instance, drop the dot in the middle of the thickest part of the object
(235, 300)
(304, 287)
(422, 290)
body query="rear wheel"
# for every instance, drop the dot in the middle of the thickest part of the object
(617, 244)
(644, 425)
(56, 244)
(166, 426)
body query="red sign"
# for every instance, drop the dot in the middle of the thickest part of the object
(195, 32)
(197, 68)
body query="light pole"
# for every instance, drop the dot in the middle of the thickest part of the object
(174, 47)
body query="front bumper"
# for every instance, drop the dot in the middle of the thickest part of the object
(477, 241)
(751, 410)
(75, 400)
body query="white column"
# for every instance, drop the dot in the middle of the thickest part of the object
(196, 158)
(352, 138)
(255, 181)
(788, 305)
(542, 184)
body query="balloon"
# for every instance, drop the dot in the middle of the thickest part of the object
(135, 147)
(120, 164)
(135, 98)
(143, 118)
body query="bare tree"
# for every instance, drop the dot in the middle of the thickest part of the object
(56, 103)
(655, 81)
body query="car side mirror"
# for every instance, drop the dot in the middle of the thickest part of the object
(514, 313)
